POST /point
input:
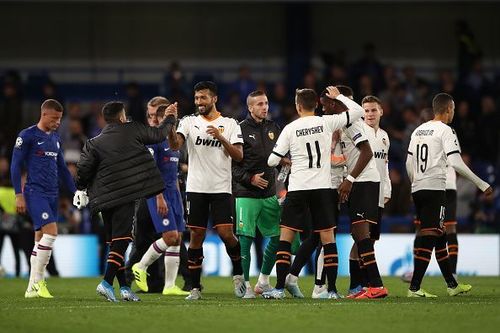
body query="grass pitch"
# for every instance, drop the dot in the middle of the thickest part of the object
(76, 308)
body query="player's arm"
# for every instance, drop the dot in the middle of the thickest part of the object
(177, 138)
(354, 112)
(456, 161)
(19, 155)
(409, 166)
(64, 173)
(234, 148)
(387, 184)
(282, 147)
(87, 166)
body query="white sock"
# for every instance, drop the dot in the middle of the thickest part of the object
(171, 265)
(248, 285)
(264, 279)
(43, 253)
(154, 252)
(32, 264)
(319, 264)
(292, 279)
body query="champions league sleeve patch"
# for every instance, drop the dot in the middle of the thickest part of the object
(357, 136)
(19, 142)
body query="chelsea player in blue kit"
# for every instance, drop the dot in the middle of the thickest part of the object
(166, 210)
(38, 149)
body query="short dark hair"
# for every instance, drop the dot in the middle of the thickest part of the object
(111, 111)
(345, 90)
(371, 99)
(426, 114)
(211, 86)
(440, 103)
(52, 104)
(255, 94)
(307, 98)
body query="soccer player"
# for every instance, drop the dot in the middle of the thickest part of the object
(450, 218)
(166, 210)
(117, 169)
(38, 148)
(433, 145)
(309, 141)
(212, 142)
(364, 179)
(255, 190)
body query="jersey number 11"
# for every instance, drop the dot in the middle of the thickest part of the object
(318, 154)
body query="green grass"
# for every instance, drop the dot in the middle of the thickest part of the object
(76, 308)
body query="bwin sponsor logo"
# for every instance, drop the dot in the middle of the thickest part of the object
(380, 154)
(207, 142)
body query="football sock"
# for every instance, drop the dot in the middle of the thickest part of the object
(154, 251)
(355, 273)
(283, 259)
(183, 267)
(303, 254)
(171, 261)
(115, 260)
(33, 266)
(269, 256)
(121, 277)
(421, 260)
(452, 251)
(331, 265)
(444, 262)
(195, 261)
(367, 256)
(320, 275)
(235, 255)
(246, 245)
(264, 279)
(43, 253)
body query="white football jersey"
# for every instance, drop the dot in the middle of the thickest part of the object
(379, 142)
(309, 141)
(350, 137)
(430, 145)
(209, 164)
(451, 178)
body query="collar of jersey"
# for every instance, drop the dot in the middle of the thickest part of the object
(205, 118)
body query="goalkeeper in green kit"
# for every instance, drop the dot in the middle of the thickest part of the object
(255, 190)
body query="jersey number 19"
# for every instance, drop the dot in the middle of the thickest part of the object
(422, 155)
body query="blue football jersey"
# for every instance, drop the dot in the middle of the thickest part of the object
(167, 161)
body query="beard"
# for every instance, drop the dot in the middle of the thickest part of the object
(207, 109)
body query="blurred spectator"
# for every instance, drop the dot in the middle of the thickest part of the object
(399, 205)
(49, 91)
(488, 130)
(135, 103)
(244, 85)
(368, 65)
(465, 127)
(234, 108)
(468, 49)
(5, 172)
(11, 111)
(178, 90)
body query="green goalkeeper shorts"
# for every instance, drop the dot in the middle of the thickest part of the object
(262, 213)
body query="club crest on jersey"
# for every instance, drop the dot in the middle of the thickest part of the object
(19, 142)
(270, 135)
(166, 222)
(151, 151)
(221, 129)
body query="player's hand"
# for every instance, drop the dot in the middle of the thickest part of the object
(211, 130)
(488, 192)
(258, 181)
(332, 92)
(80, 199)
(161, 205)
(285, 161)
(386, 200)
(344, 190)
(171, 110)
(20, 204)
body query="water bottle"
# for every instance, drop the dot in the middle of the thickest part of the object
(283, 173)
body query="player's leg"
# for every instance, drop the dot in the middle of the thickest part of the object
(450, 224)
(155, 250)
(268, 225)
(197, 211)
(357, 273)
(248, 211)
(221, 213)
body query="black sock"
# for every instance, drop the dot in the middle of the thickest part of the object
(417, 244)
(421, 260)
(331, 265)
(115, 259)
(235, 255)
(322, 276)
(121, 277)
(195, 261)
(367, 255)
(365, 279)
(452, 251)
(283, 258)
(304, 253)
(355, 273)
(183, 266)
(444, 262)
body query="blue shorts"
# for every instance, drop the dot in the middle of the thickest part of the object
(42, 210)
(174, 221)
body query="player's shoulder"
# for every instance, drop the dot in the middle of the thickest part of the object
(189, 117)
(383, 132)
(228, 121)
(28, 131)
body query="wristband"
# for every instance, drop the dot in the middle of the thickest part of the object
(350, 178)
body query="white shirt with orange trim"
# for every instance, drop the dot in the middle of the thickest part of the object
(379, 142)
(209, 164)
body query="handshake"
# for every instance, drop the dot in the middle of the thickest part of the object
(81, 199)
